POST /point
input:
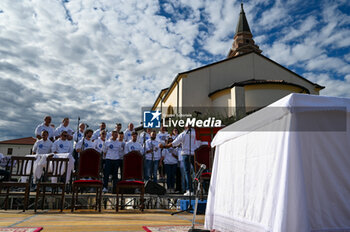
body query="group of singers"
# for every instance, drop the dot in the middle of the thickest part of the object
(175, 151)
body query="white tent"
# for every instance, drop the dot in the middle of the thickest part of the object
(283, 168)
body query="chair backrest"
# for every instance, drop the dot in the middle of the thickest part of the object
(89, 164)
(206, 133)
(133, 166)
(202, 156)
(22, 166)
(56, 167)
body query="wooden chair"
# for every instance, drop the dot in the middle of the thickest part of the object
(132, 176)
(20, 167)
(202, 156)
(55, 168)
(89, 167)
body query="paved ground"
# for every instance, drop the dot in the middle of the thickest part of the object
(89, 220)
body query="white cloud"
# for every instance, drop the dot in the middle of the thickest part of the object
(325, 63)
(67, 67)
(305, 26)
(334, 87)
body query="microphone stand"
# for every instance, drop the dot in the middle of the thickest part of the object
(196, 181)
(151, 176)
(189, 208)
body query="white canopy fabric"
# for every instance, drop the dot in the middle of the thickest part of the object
(283, 168)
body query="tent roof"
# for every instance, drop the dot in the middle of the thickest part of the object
(278, 110)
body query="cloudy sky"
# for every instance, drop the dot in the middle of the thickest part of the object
(104, 59)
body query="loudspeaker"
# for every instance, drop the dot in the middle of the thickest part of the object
(154, 188)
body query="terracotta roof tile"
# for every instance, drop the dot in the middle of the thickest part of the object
(21, 141)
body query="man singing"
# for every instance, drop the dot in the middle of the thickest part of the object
(152, 157)
(188, 141)
(43, 146)
(45, 126)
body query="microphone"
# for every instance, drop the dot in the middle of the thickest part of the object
(200, 171)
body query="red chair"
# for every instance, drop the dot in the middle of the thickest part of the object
(20, 167)
(132, 176)
(89, 167)
(202, 156)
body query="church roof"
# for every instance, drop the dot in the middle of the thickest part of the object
(254, 82)
(176, 79)
(242, 25)
(160, 95)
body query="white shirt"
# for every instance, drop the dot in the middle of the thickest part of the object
(167, 153)
(114, 149)
(133, 146)
(162, 137)
(96, 134)
(61, 146)
(87, 144)
(109, 136)
(99, 145)
(144, 136)
(184, 140)
(179, 154)
(42, 127)
(42, 147)
(153, 144)
(78, 136)
(127, 135)
(61, 128)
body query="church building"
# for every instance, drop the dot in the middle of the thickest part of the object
(243, 82)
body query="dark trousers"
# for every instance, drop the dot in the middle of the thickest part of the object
(151, 167)
(179, 186)
(188, 161)
(5, 175)
(111, 168)
(170, 170)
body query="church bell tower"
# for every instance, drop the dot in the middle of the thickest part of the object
(243, 39)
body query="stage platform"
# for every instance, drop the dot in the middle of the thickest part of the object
(87, 201)
(107, 220)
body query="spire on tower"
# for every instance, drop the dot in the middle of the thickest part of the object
(243, 39)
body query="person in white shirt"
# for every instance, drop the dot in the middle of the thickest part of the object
(144, 136)
(189, 144)
(100, 146)
(86, 142)
(133, 145)
(170, 158)
(62, 145)
(152, 157)
(162, 135)
(64, 127)
(114, 152)
(118, 128)
(98, 131)
(45, 126)
(100, 142)
(127, 132)
(78, 135)
(4, 174)
(43, 146)
(174, 133)
(180, 173)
